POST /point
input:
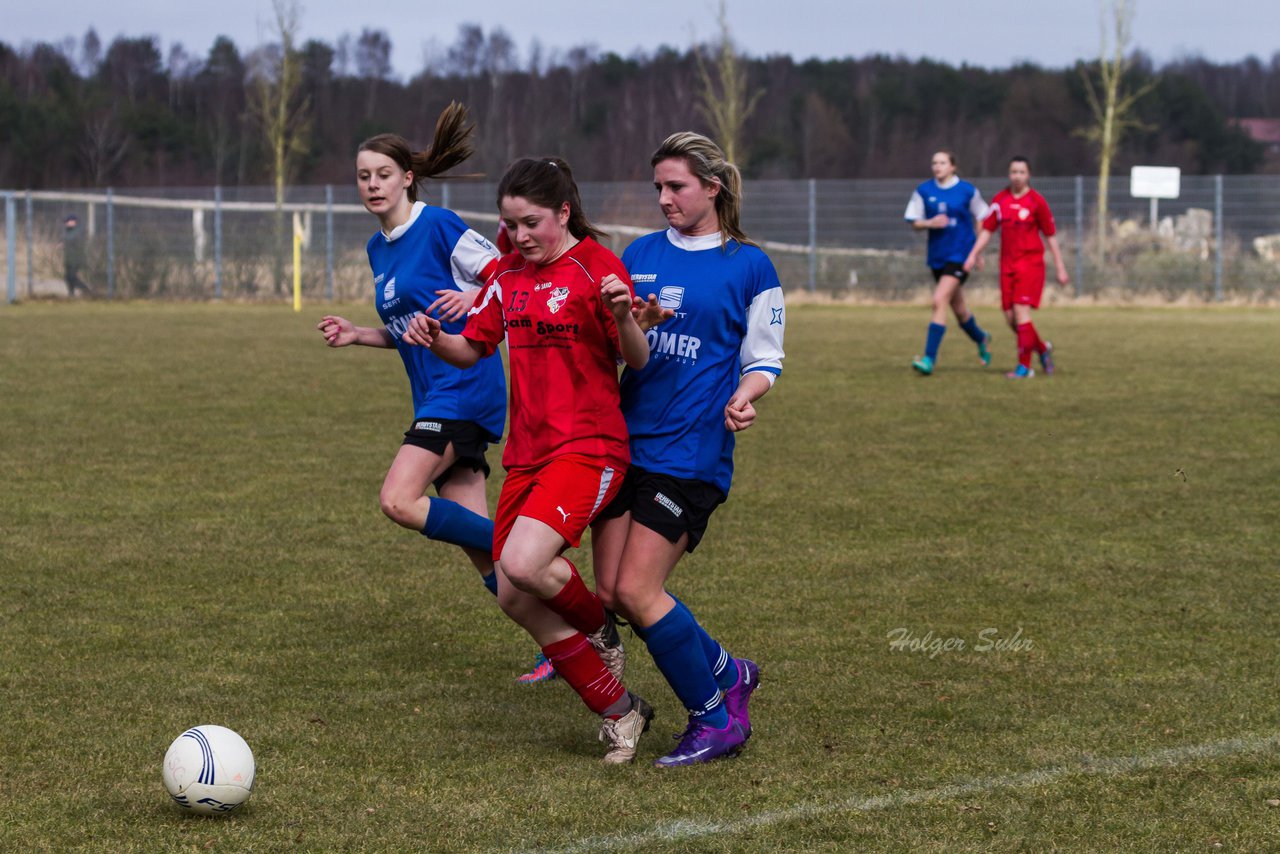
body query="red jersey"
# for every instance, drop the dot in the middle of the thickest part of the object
(1020, 220)
(562, 343)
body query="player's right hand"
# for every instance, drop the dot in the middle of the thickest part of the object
(422, 331)
(337, 331)
(649, 314)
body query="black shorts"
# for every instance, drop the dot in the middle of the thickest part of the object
(951, 268)
(435, 435)
(671, 506)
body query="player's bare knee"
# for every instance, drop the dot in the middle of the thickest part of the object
(396, 508)
(521, 572)
(633, 601)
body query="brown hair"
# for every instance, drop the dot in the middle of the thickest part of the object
(706, 160)
(450, 146)
(548, 183)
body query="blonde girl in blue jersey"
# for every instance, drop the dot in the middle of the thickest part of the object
(425, 260)
(948, 208)
(717, 354)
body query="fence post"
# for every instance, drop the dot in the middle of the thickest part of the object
(11, 244)
(444, 194)
(31, 274)
(217, 242)
(1217, 235)
(111, 244)
(813, 235)
(328, 241)
(1079, 234)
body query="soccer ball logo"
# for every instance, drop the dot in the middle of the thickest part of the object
(209, 770)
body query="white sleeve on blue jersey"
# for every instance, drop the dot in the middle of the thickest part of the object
(978, 207)
(762, 345)
(915, 208)
(471, 254)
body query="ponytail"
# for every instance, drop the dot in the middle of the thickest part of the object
(450, 146)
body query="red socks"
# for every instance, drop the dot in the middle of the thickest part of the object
(1028, 342)
(579, 664)
(578, 606)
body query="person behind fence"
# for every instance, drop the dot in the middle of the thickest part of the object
(1022, 215)
(426, 260)
(563, 303)
(947, 208)
(711, 362)
(73, 256)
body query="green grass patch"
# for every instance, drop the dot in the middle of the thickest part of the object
(189, 533)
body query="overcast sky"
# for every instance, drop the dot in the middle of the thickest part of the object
(992, 33)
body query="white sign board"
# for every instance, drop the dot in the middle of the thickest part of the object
(1155, 182)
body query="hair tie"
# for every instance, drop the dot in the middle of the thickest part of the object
(553, 164)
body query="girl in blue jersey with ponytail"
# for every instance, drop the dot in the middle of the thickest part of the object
(948, 208)
(718, 352)
(425, 260)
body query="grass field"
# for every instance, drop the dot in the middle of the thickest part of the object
(189, 533)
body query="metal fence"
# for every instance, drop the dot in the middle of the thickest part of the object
(1219, 240)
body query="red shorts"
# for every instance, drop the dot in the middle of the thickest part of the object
(565, 493)
(1021, 284)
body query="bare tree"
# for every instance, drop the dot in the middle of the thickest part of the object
(90, 53)
(723, 100)
(1112, 108)
(283, 111)
(373, 63)
(103, 146)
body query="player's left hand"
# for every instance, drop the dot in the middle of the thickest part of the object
(649, 314)
(739, 413)
(452, 304)
(617, 296)
(1063, 278)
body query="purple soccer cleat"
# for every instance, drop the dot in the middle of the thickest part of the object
(700, 743)
(737, 697)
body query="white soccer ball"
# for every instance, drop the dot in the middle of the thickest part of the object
(208, 770)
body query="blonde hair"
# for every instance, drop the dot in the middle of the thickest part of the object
(450, 146)
(706, 160)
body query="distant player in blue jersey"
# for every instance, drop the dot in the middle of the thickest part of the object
(948, 209)
(719, 352)
(425, 260)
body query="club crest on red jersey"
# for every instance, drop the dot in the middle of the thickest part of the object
(556, 299)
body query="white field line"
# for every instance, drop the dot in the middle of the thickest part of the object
(676, 831)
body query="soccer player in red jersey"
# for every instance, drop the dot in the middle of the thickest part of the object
(564, 304)
(1022, 215)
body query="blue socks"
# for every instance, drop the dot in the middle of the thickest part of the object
(450, 522)
(677, 650)
(934, 340)
(722, 665)
(491, 582)
(973, 330)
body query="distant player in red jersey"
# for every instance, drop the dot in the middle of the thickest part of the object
(564, 305)
(1022, 215)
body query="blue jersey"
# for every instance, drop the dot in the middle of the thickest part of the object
(729, 320)
(963, 205)
(435, 251)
